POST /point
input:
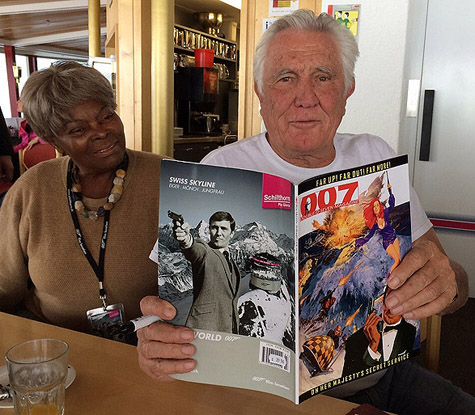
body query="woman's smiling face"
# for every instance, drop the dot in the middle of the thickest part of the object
(94, 138)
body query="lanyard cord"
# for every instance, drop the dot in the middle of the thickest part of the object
(98, 267)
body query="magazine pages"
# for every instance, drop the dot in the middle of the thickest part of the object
(259, 351)
(284, 284)
(354, 228)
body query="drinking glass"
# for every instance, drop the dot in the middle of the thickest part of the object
(37, 371)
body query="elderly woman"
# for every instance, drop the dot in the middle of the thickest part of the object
(77, 230)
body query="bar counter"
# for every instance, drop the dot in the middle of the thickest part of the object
(194, 148)
(109, 381)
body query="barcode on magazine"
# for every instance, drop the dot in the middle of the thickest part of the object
(273, 355)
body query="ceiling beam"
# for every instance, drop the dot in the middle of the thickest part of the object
(56, 53)
(50, 6)
(45, 51)
(52, 38)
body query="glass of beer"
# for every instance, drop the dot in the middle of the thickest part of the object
(37, 371)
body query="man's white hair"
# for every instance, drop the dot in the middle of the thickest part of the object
(306, 21)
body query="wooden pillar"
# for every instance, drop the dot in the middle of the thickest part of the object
(12, 85)
(32, 64)
(252, 15)
(128, 39)
(126, 78)
(94, 26)
(162, 76)
(434, 324)
(142, 71)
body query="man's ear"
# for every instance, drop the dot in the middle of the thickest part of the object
(351, 89)
(256, 90)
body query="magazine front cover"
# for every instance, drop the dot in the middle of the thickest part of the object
(354, 229)
(241, 308)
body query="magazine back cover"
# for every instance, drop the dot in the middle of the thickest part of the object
(242, 307)
(354, 229)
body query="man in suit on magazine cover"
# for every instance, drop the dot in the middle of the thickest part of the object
(216, 278)
(304, 74)
(381, 339)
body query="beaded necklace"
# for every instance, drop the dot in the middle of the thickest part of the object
(114, 195)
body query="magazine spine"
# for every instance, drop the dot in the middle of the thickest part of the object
(296, 296)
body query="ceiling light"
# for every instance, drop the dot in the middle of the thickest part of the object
(233, 3)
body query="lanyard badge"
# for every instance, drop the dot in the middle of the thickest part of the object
(105, 322)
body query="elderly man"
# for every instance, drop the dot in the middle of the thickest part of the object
(303, 71)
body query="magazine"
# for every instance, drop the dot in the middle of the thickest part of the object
(297, 307)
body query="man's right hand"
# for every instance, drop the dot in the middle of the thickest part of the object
(371, 331)
(164, 349)
(181, 232)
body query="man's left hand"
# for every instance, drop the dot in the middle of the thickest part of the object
(425, 282)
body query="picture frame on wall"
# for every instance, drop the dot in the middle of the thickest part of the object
(348, 15)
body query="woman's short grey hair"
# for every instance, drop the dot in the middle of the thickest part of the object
(307, 21)
(51, 94)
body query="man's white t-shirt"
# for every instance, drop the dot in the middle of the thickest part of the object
(351, 150)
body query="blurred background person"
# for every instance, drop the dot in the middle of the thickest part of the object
(26, 134)
(6, 165)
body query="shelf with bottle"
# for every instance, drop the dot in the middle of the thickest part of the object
(182, 49)
(226, 72)
(187, 39)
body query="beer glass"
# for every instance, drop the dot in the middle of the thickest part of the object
(37, 371)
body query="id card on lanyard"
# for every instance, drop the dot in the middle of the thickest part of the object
(105, 322)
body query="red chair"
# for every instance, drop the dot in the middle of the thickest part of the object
(5, 186)
(36, 154)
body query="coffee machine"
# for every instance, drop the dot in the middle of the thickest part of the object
(196, 92)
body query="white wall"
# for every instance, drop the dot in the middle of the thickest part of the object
(22, 62)
(376, 104)
(4, 95)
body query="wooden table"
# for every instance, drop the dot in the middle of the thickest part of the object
(109, 381)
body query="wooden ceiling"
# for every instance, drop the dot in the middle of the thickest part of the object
(209, 6)
(48, 28)
(58, 28)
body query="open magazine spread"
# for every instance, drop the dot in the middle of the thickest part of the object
(288, 298)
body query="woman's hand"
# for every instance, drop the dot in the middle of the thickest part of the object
(32, 143)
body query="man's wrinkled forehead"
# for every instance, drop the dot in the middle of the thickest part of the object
(317, 50)
(311, 69)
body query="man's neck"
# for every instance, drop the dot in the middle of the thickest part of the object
(393, 324)
(315, 160)
(226, 248)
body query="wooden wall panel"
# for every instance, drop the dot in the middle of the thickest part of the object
(142, 75)
(128, 38)
(125, 69)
